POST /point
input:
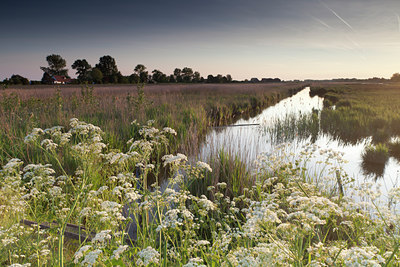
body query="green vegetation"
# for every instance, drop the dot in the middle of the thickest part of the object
(352, 113)
(190, 109)
(361, 110)
(394, 149)
(294, 126)
(374, 159)
(139, 201)
(282, 219)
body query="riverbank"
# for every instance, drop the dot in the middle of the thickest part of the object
(283, 219)
(189, 108)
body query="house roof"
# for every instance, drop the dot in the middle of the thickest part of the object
(59, 78)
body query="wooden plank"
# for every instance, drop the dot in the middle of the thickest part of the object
(67, 233)
(238, 125)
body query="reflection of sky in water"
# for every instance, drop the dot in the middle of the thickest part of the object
(250, 141)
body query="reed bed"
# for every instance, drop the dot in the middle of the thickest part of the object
(280, 218)
(190, 109)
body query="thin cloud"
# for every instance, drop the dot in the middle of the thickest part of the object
(337, 15)
(398, 21)
(322, 22)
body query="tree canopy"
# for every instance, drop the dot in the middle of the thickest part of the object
(17, 80)
(83, 69)
(140, 70)
(395, 77)
(96, 75)
(108, 68)
(56, 66)
(106, 71)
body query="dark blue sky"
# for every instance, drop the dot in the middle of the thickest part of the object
(289, 39)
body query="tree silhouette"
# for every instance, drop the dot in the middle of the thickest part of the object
(140, 70)
(83, 69)
(108, 68)
(56, 66)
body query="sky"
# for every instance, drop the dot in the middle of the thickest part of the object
(288, 39)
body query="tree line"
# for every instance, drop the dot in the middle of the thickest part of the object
(106, 72)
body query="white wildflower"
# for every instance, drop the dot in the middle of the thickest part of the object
(102, 236)
(147, 256)
(80, 252)
(169, 130)
(222, 185)
(204, 166)
(194, 262)
(117, 253)
(91, 257)
(33, 136)
(171, 159)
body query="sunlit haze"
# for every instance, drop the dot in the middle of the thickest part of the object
(292, 39)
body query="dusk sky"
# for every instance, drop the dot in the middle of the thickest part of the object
(289, 39)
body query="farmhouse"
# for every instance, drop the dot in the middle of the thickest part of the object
(58, 79)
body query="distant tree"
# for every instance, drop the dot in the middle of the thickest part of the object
(123, 79)
(187, 74)
(159, 77)
(56, 66)
(178, 75)
(196, 77)
(172, 78)
(96, 75)
(17, 80)
(83, 69)
(219, 79)
(109, 69)
(134, 78)
(140, 70)
(46, 79)
(395, 77)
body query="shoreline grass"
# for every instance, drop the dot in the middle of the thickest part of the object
(190, 109)
(283, 219)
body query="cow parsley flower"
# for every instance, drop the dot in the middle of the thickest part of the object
(147, 256)
(169, 130)
(91, 257)
(80, 252)
(102, 236)
(204, 166)
(117, 253)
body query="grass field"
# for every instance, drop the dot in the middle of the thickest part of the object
(106, 180)
(190, 109)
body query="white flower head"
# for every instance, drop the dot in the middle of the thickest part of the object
(147, 256)
(204, 166)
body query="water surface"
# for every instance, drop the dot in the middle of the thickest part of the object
(249, 141)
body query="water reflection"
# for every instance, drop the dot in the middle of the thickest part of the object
(300, 121)
(373, 169)
(253, 139)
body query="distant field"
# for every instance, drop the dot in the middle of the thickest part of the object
(152, 89)
(188, 108)
(215, 213)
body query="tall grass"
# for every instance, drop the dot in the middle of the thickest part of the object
(190, 109)
(374, 159)
(294, 126)
(230, 175)
(281, 220)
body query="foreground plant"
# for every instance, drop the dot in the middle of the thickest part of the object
(282, 219)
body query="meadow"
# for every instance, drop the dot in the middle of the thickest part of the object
(94, 157)
(190, 109)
